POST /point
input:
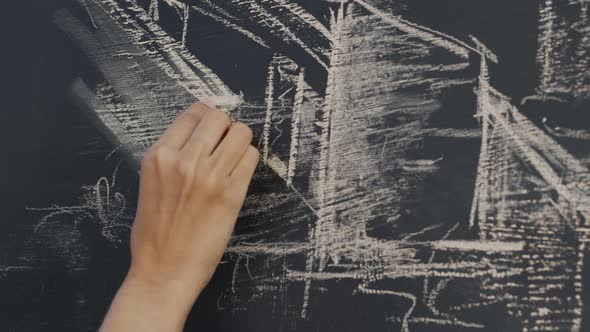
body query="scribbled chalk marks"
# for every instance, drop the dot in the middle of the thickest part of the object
(358, 188)
(530, 188)
(148, 76)
(264, 22)
(369, 84)
(99, 203)
(564, 48)
(6, 270)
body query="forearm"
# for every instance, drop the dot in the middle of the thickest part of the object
(141, 305)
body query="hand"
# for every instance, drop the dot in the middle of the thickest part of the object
(193, 184)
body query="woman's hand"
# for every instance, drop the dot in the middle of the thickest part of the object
(193, 184)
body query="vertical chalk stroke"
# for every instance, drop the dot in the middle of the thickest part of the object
(317, 229)
(268, 117)
(186, 14)
(293, 154)
(564, 48)
(483, 115)
(323, 227)
(154, 10)
(351, 154)
(183, 10)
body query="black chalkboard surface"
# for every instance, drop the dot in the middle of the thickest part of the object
(424, 163)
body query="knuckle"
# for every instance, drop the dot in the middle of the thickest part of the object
(161, 157)
(222, 117)
(185, 169)
(231, 199)
(190, 115)
(244, 130)
(254, 152)
(213, 183)
(186, 115)
(198, 107)
(148, 155)
(201, 142)
(148, 160)
(210, 184)
(199, 177)
(193, 114)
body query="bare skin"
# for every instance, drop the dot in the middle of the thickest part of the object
(193, 184)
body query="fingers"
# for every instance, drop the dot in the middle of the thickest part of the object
(183, 127)
(208, 133)
(202, 132)
(244, 170)
(231, 149)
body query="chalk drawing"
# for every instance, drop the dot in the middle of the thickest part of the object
(355, 136)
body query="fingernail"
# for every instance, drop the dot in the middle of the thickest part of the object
(208, 102)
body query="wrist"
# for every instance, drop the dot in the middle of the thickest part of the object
(179, 282)
(176, 295)
(144, 304)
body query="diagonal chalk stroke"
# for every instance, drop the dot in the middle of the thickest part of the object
(437, 38)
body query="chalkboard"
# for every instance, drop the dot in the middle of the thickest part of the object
(424, 163)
